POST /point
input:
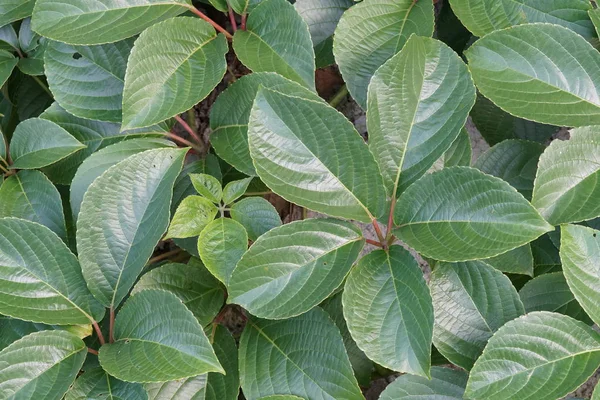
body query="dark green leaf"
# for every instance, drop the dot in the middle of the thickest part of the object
(96, 384)
(516, 261)
(7, 64)
(14, 10)
(445, 384)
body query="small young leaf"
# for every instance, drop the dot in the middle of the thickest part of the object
(7, 64)
(157, 339)
(256, 215)
(14, 10)
(38, 142)
(445, 383)
(207, 186)
(192, 216)
(95, 383)
(276, 39)
(460, 214)
(234, 190)
(41, 365)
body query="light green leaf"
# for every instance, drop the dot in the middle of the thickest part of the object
(14, 10)
(40, 279)
(219, 386)
(88, 22)
(207, 186)
(256, 215)
(96, 384)
(12, 329)
(471, 301)
(309, 348)
(410, 122)
(234, 190)
(515, 261)
(192, 216)
(41, 365)
(193, 284)
(388, 309)
(124, 214)
(514, 161)
(294, 267)
(526, 72)
(460, 152)
(550, 292)
(157, 339)
(460, 214)
(580, 256)
(8, 35)
(193, 388)
(484, 16)
(7, 64)
(566, 184)
(180, 59)
(445, 384)
(371, 32)
(276, 39)
(231, 111)
(221, 245)
(540, 355)
(288, 133)
(87, 81)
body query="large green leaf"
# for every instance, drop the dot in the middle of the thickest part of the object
(276, 39)
(410, 122)
(41, 365)
(219, 386)
(514, 161)
(471, 301)
(580, 255)
(460, 214)
(12, 329)
(516, 261)
(100, 21)
(528, 73)
(256, 215)
(87, 81)
(291, 269)
(193, 284)
(371, 32)
(484, 16)
(231, 111)
(193, 388)
(124, 214)
(310, 350)
(566, 185)
(286, 134)
(7, 64)
(14, 10)
(388, 309)
(40, 278)
(173, 66)
(30, 195)
(95, 383)
(540, 355)
(38, 142)
(157, 339)
(445, 384)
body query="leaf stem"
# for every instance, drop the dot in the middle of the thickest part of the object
(2, 168)
(390, 225)
(98, 332)
(92, 351)
(232, 18)
(244, 17)
(111, 325)
(163, 256)
(339, 96)
(188, 129)
(379, 234)
(210, 21)
(374, 242)
(183, 141)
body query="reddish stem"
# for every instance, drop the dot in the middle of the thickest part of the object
(391, 219)
(92, 351)
(244, 17)
(379, 234)
(98, 332)
(374, 242)
(111, 325)
(188, 128)
(210, 21)
(183, 141)
(232, 19)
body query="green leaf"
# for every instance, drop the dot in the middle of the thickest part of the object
(41, 365)
(411, 124)
(471, 301)
(181, 59)
(276, 39)
(550, 292)
(99, 162)
(220, 5)
(96, 384)
(124, 214)
(322, 17)
(221, 245)
(219, 386)
(460, 152)
(231, 111)
(207, 186)
(87, 81)
(288, 133)
(193, 284)
(388, 309)
(8, 35)
(157, 339)
(507, 68)
(34, 47)
(281, 397)
(88, 22)
(484, 16)
(234, 190)
(14, 10)
(445, 384)
(7, 64)
(580, 255)
(566, 185)
(546, 256)
(193, 388)
(38, 142)
(540, 355)
(294, 267)
(461, 214)
(243, 6)
(2, 148)
(256, 215)
(371, 32)
(514, 161)
(594, 15)
(12, 330)
(192, 216)
(310, 350)
(40, 278)
(515, 261)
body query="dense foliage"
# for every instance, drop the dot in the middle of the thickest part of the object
(133, 231)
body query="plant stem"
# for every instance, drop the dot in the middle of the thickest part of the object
(379, 234)
(183, 141)
(244, 17)
(2, 168)
(111, 325)
(232, 19)
(98, 332)
(339, 96)
(210, 21)
(92, 351)
(188, 128)
(388, 234)
(374, 242)
(163, 256)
